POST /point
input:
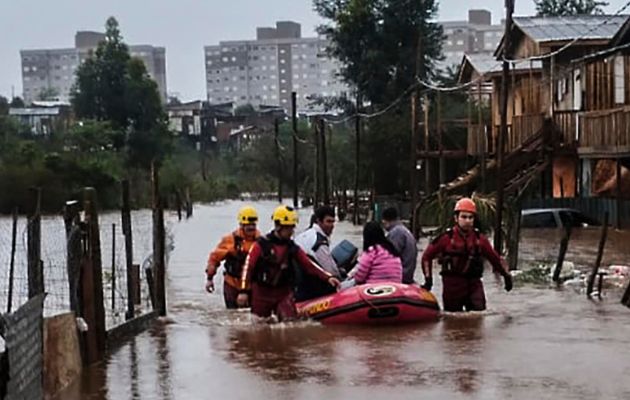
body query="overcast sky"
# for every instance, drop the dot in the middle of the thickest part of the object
(182, 26)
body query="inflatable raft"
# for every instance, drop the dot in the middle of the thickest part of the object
(373, 304)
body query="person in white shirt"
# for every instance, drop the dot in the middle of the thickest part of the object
(315, 242)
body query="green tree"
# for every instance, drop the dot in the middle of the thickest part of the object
(377, 42)
(49, 93)
(4, 106)
(17, 102)
(114, 87)
(554, 8)
(245, 110)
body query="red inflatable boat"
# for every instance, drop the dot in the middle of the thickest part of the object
(373, 303)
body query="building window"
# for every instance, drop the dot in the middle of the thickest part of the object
(460, 42)
(282, 51)
(224, 59)
(282, 61)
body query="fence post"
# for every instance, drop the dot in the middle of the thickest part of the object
(126, 228)
(92, 282)
(12, 264)
(135, 283)
(159, 238)
(600, 254)
(74, 252)
(189, 205)
(564, 245)
(113, 267)
(34, 244)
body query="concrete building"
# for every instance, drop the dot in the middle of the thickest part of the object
(265, 71)
(477, 34)
(52, 71)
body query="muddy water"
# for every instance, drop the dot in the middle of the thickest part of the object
(537, 342)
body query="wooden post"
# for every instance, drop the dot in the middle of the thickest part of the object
(276, 136)
(441, 164)
(427, 160)
(316, 170)
(74, 252)
(159, 244)
(135, 296)
(189, 204)
(151, 284)
(482, 140)
(564, 245)
(515, 236)
(127, 232)
(34, 245)
(113, 267)
(618, 193)
(178, 204)
(413, 161)
(295, 148)
(325, 182)
(600, 254)
(498, 233)
(12, 262)
(92, 285)
(357, 160)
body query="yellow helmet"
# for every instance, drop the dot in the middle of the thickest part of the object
(285, 216)
(247, 215)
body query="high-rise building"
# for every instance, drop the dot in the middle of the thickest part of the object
(265, 71)
(472, 36)
(52, 71)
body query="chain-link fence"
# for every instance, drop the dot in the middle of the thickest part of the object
(54, 256)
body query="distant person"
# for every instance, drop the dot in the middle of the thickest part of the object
(461, 251)
(315, 242)
(271, 268)
(380, 261)
(403, 240)
(232, 251)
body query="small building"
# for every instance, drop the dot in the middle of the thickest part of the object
(44, 118)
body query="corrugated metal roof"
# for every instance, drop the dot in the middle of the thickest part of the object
(485, 63)
(587, 27)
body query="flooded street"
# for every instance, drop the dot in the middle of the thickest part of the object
(536, 342)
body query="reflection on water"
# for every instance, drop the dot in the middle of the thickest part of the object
(532, 343)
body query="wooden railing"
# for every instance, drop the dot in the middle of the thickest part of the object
(566, 123)
(606, 128)
(477, 140)
(523, 128)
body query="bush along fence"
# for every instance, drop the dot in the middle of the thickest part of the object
(73, 288)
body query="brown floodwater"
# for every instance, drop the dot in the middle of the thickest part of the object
(536, 342)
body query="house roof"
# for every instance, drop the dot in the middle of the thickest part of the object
(585, 27)
(487, 64)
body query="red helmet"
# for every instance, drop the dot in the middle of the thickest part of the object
(467, 205)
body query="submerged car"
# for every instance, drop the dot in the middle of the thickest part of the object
(556, 218)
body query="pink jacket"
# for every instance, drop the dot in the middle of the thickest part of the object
(378, 265)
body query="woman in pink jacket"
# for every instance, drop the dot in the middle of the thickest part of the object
(380, 261)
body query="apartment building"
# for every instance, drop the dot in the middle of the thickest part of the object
(52, 71)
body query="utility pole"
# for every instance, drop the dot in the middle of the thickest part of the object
(316, 172)
(295, 152)
(481, 133)
(413, 156)
(441, 165)
(357, 159)
(322, 132)
(498, 233)
(276, 136)
(427, 163)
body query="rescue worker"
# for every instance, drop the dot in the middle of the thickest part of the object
(270, 268)
(403, 240)
(461, 251)
(232, 250)
(315, 242)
